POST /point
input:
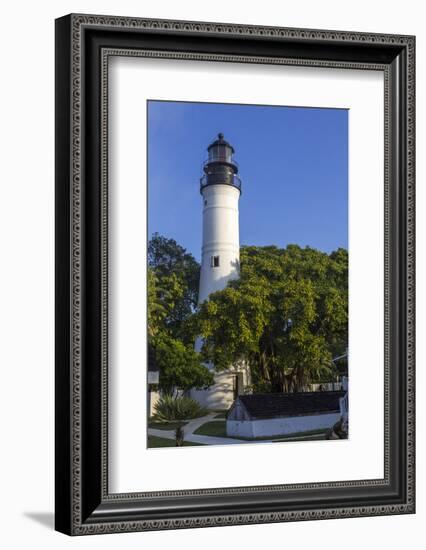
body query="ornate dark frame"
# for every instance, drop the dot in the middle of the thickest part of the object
(83, 46)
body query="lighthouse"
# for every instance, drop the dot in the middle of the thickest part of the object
(220, 188)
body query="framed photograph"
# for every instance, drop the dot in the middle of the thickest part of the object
(234, 274)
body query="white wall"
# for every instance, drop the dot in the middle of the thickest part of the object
(26, 218)
(280, 426)
(220, 395)
(220, 238)
(153, 398)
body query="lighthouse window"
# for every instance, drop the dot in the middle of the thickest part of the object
(215, 261)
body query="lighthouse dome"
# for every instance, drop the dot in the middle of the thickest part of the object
(220, 168)
(220, 142)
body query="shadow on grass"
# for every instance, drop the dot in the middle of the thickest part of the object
(217, 428)
(155, 442)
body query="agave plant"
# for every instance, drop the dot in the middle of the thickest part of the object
(170, 408)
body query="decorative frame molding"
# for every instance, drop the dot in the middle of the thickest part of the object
(84, 44)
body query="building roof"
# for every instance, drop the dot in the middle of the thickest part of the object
(272, 405)
(220, 140)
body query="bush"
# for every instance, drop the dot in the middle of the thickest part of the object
(170, 408)
(179, 365)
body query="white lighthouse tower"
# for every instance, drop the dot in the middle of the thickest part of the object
(220, 188)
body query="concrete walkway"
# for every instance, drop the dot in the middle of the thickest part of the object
(189, 435)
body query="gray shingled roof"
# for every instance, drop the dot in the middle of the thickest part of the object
(272, 405)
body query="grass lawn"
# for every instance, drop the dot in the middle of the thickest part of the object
(297, 436)
(217, 428)
(165, 425)
(154, 442)
(303, 436)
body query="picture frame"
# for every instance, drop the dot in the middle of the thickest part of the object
(84, 504)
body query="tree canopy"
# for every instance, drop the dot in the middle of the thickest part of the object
(176, 274)
(173, 276)
(285, 317)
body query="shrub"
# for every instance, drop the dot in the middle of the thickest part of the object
(169, 408)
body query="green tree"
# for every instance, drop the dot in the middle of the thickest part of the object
(165, 294)
(156, 307)
(177, 274)
(172, 294)
(180, 366)
(285, 317)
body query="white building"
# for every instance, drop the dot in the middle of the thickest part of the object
(220, 189)
(272, 414)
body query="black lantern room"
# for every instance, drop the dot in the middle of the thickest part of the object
(220, 167)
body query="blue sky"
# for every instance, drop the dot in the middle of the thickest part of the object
(293, 166)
